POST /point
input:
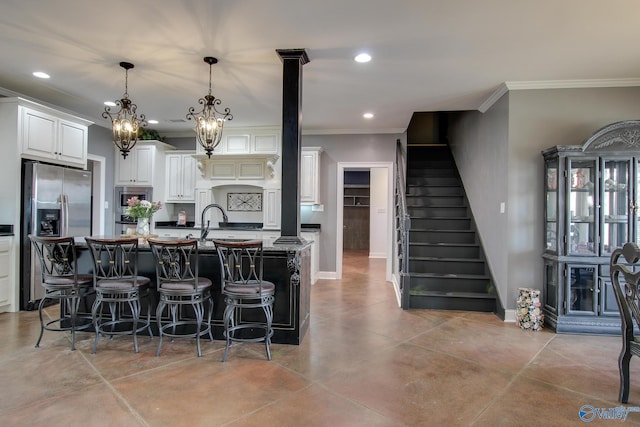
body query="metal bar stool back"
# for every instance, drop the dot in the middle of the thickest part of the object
(180, 288)
(61, 282)
(243, 288)
(117, 283)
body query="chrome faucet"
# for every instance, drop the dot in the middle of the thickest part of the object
(205, 230)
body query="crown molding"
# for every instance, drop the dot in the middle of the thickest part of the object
(351, 131)
(555, 84)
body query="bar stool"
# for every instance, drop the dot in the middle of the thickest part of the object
(61, 282)
(244, 289)
(180, 286)
(116, 282)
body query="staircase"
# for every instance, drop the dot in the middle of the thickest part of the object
(447, 268)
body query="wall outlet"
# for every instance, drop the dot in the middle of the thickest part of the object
(502, 207)
(317, 208)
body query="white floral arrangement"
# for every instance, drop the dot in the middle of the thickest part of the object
(528, 310)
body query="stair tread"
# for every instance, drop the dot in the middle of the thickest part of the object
(454, 294)
(450, 276)
(440, 217)
(439, 230)
(445, 244)
(444, 259)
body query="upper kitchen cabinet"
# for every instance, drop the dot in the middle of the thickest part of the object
(45, 134)
(310, 176)
(180, 177)
(139, 168)
(247, 141)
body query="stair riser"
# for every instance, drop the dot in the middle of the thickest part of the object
(432, 172)
(421, 201)
(441, 251)
(446, 267)
(444, 303)
(441, 284)
(453, 181)
(434, 191)
(441, 237)
(438, 212)
(440, 224)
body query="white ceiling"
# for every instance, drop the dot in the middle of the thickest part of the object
(428, 55)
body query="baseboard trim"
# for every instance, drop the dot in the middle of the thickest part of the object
(327, 275)
(510, 316)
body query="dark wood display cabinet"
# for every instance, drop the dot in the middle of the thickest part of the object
(591, 208)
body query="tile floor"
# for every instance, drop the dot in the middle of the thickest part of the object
(364, 362)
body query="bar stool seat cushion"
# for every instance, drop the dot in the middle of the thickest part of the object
(141, 282)
(202, 283)
(250, 288)
(62, 281)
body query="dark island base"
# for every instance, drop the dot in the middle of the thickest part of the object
(287, 269)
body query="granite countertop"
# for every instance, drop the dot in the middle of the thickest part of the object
(208, 245)
(190, 225)
(6, 230)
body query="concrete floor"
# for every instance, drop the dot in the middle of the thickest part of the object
(364, 362)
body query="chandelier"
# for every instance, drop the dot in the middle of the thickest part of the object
(209, 121)
(126, 122)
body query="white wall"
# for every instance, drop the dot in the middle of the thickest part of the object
(378, 200)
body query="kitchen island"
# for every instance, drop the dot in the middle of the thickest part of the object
(287, 266)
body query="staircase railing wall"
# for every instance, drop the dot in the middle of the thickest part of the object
(403, 225)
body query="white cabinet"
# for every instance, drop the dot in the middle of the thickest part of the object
(315, 252)
(310, 176)
(139, 168)
(6, 272)
(271, 209)
(246, 141)
(203, 198)
(180, 177)
(50, 136)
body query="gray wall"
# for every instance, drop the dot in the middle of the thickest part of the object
(479, 142)
(537, 119)
(101, 144)
(341, 148)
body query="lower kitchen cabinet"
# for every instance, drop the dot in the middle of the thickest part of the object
(6, 272)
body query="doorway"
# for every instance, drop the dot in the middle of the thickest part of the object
(380, 211)
(355, 216)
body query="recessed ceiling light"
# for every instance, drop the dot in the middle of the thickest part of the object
(368, 115)
(41, 75)
(109, 103)
(152, 122)
(363, 57)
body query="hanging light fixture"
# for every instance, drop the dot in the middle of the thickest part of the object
(126, 122)
(209, 121)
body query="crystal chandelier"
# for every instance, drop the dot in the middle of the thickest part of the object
(209, 121)
(126, 122)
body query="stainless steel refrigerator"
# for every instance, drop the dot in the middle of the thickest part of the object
(56, 202)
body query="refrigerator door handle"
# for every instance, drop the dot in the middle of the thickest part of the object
(64, 215)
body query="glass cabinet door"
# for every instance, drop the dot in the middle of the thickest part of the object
(582, 291)
(582, 223)
(615, 204)
(551, 205)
